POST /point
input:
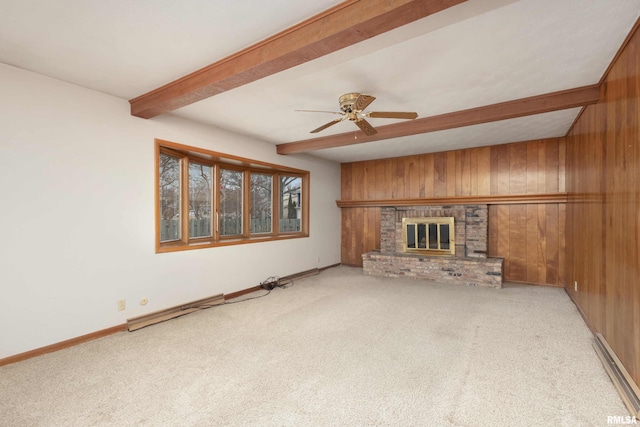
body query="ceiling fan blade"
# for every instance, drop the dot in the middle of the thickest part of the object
(391, 115)
(323, 127)
(366, 127)
(363, 102)
(319, 111)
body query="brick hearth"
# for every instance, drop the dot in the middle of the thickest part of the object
(470, 265)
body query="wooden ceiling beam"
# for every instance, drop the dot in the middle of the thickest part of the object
(505, 110)
(343, 25)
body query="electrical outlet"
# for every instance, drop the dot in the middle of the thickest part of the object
(575, 285)
(144, 301)
(122, 305)
(318, 260)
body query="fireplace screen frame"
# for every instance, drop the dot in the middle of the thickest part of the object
(426, 223)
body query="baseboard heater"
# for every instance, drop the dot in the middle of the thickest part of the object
(170, 313)
(627, 388)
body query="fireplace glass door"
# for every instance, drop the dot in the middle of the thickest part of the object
(431, 236)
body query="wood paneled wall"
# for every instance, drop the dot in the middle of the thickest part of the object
(603, 215)
(529, 236)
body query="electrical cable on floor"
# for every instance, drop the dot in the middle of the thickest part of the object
(268, 285)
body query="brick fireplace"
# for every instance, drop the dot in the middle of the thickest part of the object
(470, 265)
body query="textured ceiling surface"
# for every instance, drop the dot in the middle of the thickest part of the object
(478, 53)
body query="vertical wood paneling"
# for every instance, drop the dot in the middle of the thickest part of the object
(552, 223)
(412, 176)
(503, 168)
(369, 179)
(346, 171)
(542, 243)
(503, 224)
(603, 219)
(552, 163)
(542, 167)
(346, 255)
(518, 233)
(358, 187)
(517, 169)
(440, 178)
(463, 172)
(562, 164)
(492, 244)
(381, 186)
(421, 176)
(429, 175)
(533, 153)
(389, 179)
(398, 179)
(533, 255)
(451, 173)
(357, 236)
(484, 171)
(494, 178)
(473, 172)
(562, 262)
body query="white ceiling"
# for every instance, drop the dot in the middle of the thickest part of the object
(477, 53)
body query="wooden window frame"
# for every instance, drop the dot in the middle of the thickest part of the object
(217, 161)
(274, 215)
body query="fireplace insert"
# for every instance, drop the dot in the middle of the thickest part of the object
(429, 236)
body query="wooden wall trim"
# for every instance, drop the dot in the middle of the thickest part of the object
(462, 200)
(63, 344)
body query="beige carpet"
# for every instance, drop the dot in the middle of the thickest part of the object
(337, 349)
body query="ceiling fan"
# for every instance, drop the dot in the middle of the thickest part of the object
(351, 105)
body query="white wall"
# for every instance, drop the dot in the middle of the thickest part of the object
(77, 215)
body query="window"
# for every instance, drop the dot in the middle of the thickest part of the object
(169, 187)
(290, 208)
(207, 199)
(261, 202)
(200, 197)
(230, 202)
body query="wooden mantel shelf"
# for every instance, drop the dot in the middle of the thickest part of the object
(511, 199)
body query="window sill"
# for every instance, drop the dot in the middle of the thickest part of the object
(202, 244)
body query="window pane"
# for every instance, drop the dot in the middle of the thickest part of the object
(422, 236)
(230, 202)
(433, 236)
(199, 200)
(169, 198)
(445, 243)
(261, 203)
(411, 236)
(290, 203)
